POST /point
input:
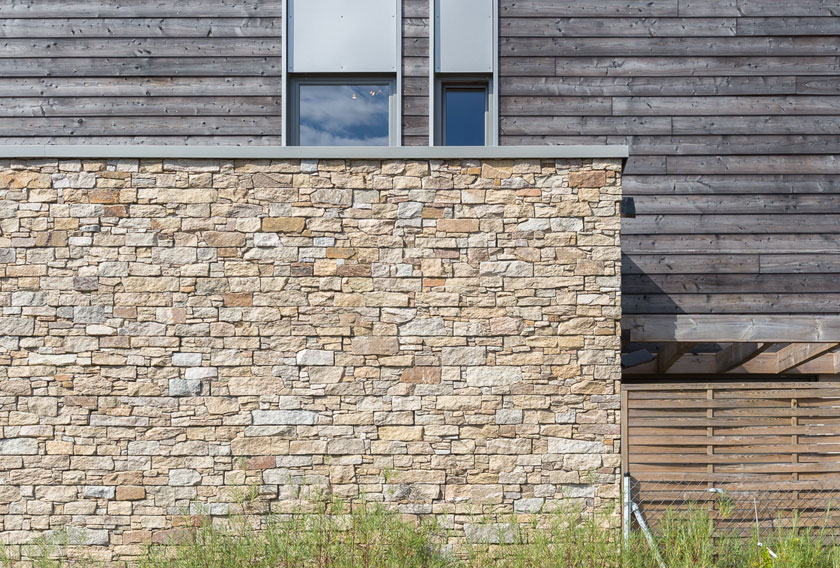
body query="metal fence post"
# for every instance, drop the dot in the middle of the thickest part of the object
(628, 504)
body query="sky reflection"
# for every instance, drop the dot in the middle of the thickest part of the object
(344, 115)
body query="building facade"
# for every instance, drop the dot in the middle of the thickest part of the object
(374, 246)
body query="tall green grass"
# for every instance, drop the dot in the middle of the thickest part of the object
(329, 533)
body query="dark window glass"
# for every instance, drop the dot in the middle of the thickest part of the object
(465, 119)
(344, 115)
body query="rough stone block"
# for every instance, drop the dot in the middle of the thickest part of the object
(18, 447)
(285, 417)
(315, 357)
(283, 224)
(375, 345)
(183, 477)
(186, 359)
(184, 387)
(493, 376)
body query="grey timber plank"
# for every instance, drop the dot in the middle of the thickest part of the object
(416, 126)
(726, 105)
(655, 86)
(415, 141)
(730, 224)
(556, 106)
(141, 8)
(416, 106)
(140, 27)
(589, 125)
(780, 164)
(695, 66)
(564, 8)
(768, 283)
(142, 126)
(138, 47)
(141, 66)
(728, 303)
(797, 264)
(163, 140)
(758, 124)
(646, 165)
(617, 27)
(416, 86)
(415, 8)
(526, 66)
(554, 140)
(139, 86)
(416, 27)
(737, 144)
(732, 328)
(732, 244)
(788, 26)
(139, 106)
(415, 68)
(729, 184)
(785, 9)
(708, 8)
(693, 264)
(737, 204)
(668, 46)
(604, 8)
(416, 46)
(818, 85)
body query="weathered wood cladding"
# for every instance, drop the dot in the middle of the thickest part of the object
(132, 71)
(732, 112)
(189, 72)
(416, 61)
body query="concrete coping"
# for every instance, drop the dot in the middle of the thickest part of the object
(116, 151)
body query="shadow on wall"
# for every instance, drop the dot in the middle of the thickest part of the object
(640, 289)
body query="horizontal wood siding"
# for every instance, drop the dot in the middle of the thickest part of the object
(732, 112)
(141, 72)
(415, 114)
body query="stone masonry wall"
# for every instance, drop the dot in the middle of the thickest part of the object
(440, 336)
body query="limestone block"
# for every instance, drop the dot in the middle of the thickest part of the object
(284, 417)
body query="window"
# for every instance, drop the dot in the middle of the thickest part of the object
(463, 113)
(342, 112)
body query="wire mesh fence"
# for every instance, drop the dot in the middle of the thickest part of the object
(739, 506)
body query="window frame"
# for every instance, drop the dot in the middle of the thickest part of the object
(293, 93)
(442, 84)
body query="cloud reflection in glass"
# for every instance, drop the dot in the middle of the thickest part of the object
(344, 115)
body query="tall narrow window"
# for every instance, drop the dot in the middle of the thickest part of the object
(342, 112)
(463, 113)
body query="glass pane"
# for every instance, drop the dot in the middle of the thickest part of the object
(465, 117)
(344, 115)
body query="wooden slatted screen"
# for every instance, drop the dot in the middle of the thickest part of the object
(734, 448)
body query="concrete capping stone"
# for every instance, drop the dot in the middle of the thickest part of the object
(131, 151)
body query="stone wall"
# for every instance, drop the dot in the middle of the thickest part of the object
(441, 336)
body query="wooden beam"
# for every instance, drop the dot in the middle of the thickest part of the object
(732, 328)
(737, 354)
(705, 364)
(669, 354)
(797, 354)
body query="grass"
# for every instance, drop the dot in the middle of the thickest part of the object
(333, 534)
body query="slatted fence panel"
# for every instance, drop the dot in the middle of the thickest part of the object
(752, 453)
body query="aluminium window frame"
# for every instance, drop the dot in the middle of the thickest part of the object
(466, 82)
(293, 95)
